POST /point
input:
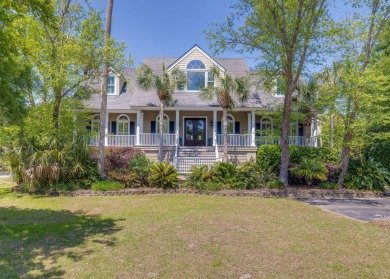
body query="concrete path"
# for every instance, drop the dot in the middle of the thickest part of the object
(4, 175)
(361, 209)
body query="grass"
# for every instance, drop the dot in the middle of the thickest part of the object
(183, 236)
(107, 185)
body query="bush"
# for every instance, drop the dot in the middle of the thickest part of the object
(329, 185)
(107, 185)
(379, 151)
(310, 169)
(227, 175)
(275, 184)
(269, 156)
(163, 175)
(207, 186)
(367, 175)
(140, 166)
(40, 165)
(117, 157)
(126, 177)
(333, 172)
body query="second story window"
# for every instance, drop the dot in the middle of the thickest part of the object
(196, 75)
(111, 85)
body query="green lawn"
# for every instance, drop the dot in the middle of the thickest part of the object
(183, 236)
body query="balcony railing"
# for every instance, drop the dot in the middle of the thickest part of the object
(116, 140)
(236, 139)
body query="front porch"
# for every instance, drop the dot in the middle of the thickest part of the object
(199, 133)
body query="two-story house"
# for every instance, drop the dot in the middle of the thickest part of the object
(192, 126)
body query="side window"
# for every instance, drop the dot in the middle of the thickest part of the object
(111, 85)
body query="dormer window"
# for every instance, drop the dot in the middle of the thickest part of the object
(196, 75)
(111, 85)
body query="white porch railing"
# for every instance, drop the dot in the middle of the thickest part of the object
(119, 140)
(149, 139)
(236, 139)
(184, 164)
(293, 140)
(169, 139)
(94, 140)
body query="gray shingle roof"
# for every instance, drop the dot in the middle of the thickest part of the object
(133, 96)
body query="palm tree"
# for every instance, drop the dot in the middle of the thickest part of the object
(165, 86)
(103, 110)
(225, 85)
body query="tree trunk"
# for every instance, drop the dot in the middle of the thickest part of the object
(160, 143)
(283, 176)
(56, 110)
(103, 109)
(225, 138)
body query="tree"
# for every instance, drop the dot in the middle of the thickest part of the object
(103, 109)
(286, 34)
(357, 38)
(223, 90)
(14, 71)
(165, 86)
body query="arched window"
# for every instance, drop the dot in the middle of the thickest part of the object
(95, 124)
(165, 124)
(123, 123)
(230, 124)
(266, 127)
(196, 75)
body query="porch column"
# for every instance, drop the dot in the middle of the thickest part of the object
(138, 128)
(106, 129)
(214, 128)
(314, 131)
(142, 122)
(177, 128)
(249, 122)
(253, 122)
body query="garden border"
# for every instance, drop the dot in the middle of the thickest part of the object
(296, 193)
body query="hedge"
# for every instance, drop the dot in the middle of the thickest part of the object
(269, 156)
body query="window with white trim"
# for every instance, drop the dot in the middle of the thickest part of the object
(293, 129)
(165, 124)
(111, 85)
(123, 123)
(95, 124)
(279, 87)
(197, 77)
(266, 127)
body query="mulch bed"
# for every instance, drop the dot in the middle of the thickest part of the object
(291, 192)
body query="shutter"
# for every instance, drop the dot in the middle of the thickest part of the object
(113, 127)
(132, 128)
(171, 127)
(237, 127)
(88, 127)
(153, 127)
(219, 127)
(300, 129)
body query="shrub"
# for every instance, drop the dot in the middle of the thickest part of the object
(227, 175)
(379, 151)
(269, 156)
(126, 177)
(333, 172)
(163, 175)
(65, 187)
(275, 184)
(40, 165)
(107, 185)
(329, 185)
(140, 166)
(310, 169)
(119, 157)
(367, 175)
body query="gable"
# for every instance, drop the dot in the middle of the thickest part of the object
(195, 53)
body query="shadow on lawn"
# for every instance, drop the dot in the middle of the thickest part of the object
(32, 240)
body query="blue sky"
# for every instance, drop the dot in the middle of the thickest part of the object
(169, 28)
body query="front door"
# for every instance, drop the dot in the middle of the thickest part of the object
(195, 131)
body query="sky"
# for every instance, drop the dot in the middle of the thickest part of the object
(157, 28)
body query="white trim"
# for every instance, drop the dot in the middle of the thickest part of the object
(184, 130)
(122, 121)
(158, 123)
(196, 47)
(93, 119)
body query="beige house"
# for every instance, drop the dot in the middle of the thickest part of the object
(192, 125)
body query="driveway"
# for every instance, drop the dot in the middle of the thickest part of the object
(361, 209)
